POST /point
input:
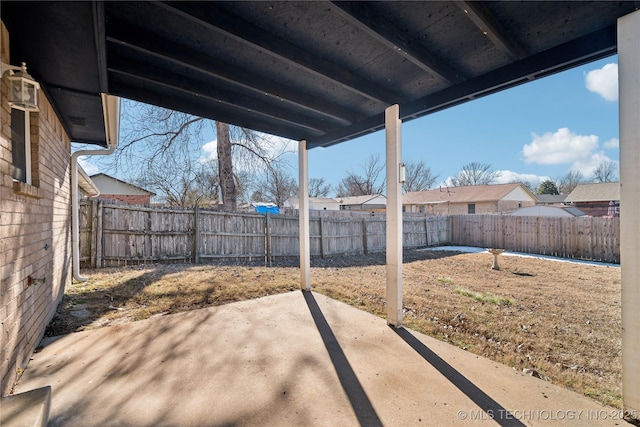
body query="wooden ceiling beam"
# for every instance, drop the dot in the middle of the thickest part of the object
(383, 30)
(149, 44)
(485, 20)
(248, 34)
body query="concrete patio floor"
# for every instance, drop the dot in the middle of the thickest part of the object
(295, 359)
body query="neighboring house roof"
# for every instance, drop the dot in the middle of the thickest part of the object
(321, 200)
(601, 192)
(361, 200)
(551, 198)
(470, 194)
(541, 210)
(295, 201)
(86, 184)
(110, 185)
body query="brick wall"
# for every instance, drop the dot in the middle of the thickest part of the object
(35, 234)
(594, 208)
(463, 208)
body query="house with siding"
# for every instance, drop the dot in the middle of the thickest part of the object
(115, 189)
(36, 196)
(315, 204)
(549, 211)
(476, 199)
(551, 199)
(597, 199)
(368, 203)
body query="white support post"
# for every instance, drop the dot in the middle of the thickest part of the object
(394, 216)
(303, 210)
(629, 104)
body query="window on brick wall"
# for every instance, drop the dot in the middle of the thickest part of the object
(24, 153)
(471, 208)
(21, 146)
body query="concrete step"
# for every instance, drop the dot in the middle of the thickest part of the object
(27, 409)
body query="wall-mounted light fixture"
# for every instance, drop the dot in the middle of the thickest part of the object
(23, 89)
(402, 173)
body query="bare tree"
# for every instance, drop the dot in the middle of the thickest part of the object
(277, 187)
(318, 187)
(185, 186)
(605, 172)
(475, 173)
(244, 183)
(371, 181)
(418, 177)
(156, 140)
(529, 184)
(225, 168)
(152, 135)
(569, 181)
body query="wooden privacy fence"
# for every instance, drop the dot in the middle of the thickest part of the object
(118, 234)
(588, 238)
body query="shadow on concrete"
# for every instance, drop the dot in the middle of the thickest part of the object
(152, 373)
(79, 310)
(493, 409)
(360, 403)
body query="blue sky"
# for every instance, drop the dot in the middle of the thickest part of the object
(536, 131)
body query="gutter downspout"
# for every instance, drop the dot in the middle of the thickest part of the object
(111, 113)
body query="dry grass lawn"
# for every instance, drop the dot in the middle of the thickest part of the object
(555, 320)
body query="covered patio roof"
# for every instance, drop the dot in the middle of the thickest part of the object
(324, 72)
(318, 71)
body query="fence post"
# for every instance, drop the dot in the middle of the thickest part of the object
(365, 243)
(149, 236)
(92, 235)
(267, 238)
(196, 234)
(99, 240)
(320, 225)
(426, 230)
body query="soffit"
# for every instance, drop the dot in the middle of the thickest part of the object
(319, 71)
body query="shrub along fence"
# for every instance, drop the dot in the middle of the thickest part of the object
(119, 235)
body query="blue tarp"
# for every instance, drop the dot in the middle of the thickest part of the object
(268, 209)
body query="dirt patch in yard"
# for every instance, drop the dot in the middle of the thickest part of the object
(557, 321)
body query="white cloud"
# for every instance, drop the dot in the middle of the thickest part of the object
(587, 165)
(274, 146)
(283, 144)
(612, 143)
(209, 151)
(446, 183)
(562, 146)
(507, 176)
(89, 168)
(604, 81)
(210, 148)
